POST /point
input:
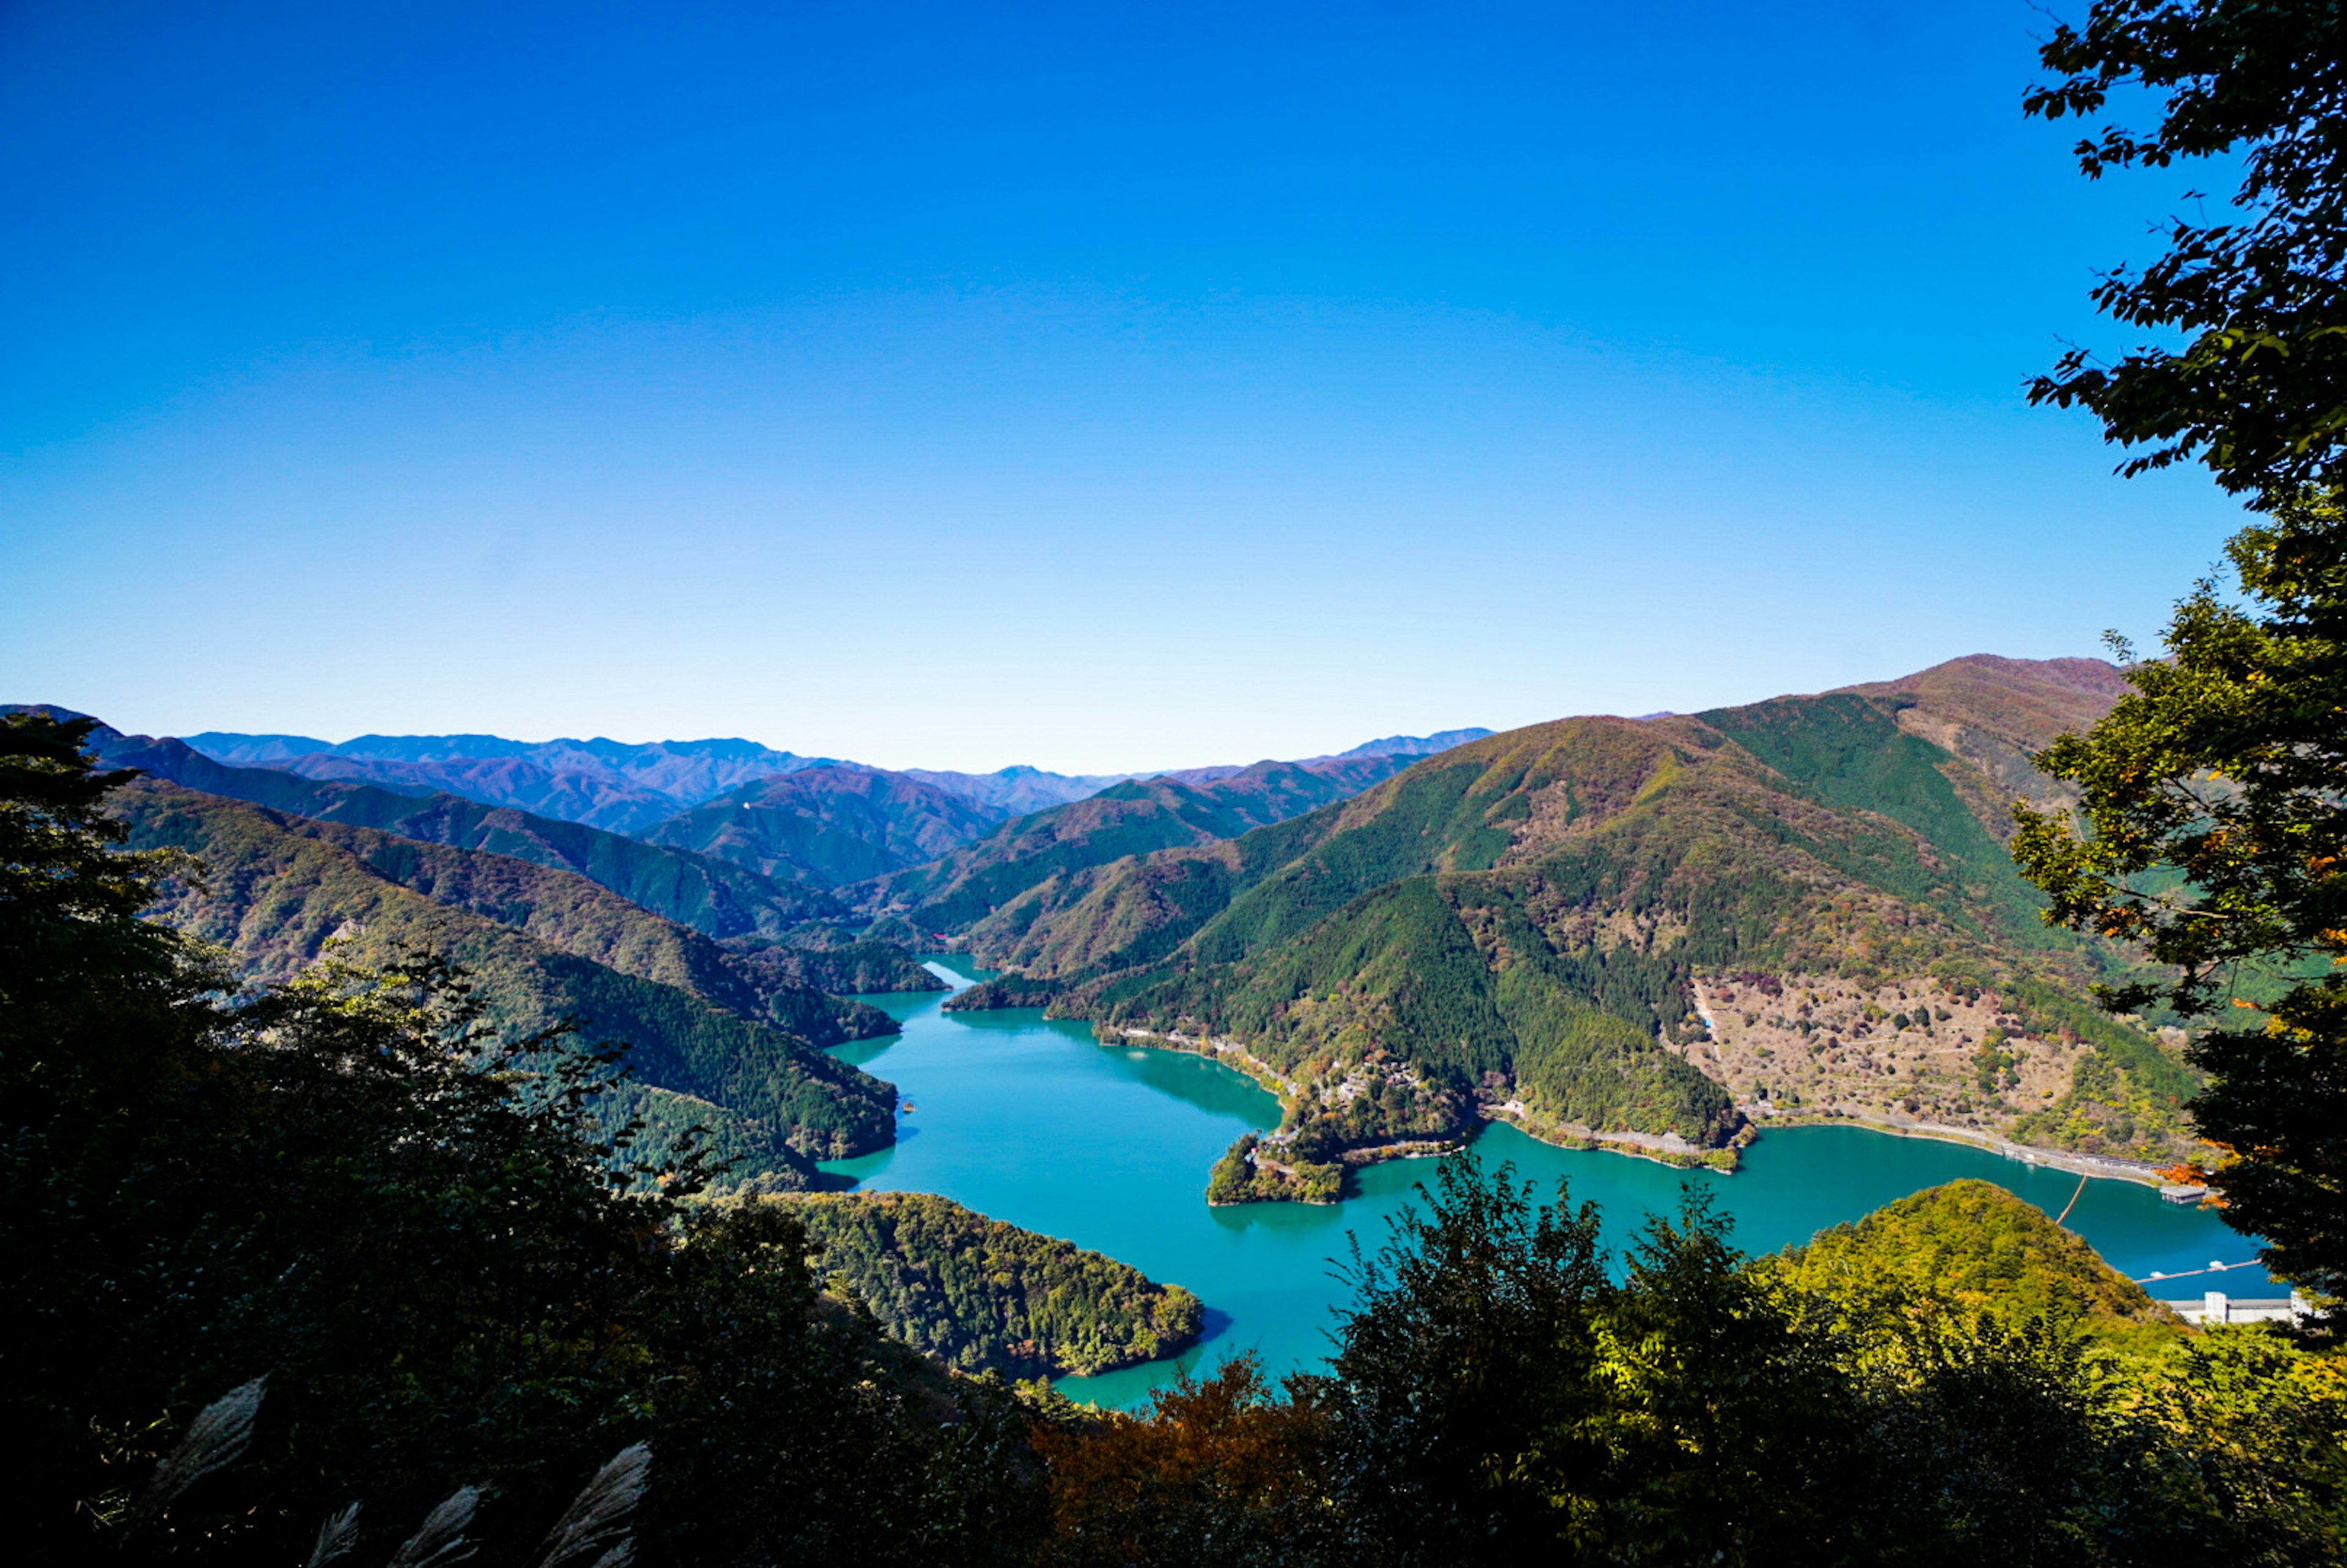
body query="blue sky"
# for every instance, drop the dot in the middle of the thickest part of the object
(1101, 387)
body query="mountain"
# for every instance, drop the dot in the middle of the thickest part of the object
(712, 896)
(625, 788)
(571, 915)
(1135, 817)
(1016, 791)
(1619, 929)
(1413, 746)
(595, 799)
(611, 784)
(707, 1041)
(828, 825)
(849, 966)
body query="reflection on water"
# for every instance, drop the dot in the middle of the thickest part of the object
(1029, 1120)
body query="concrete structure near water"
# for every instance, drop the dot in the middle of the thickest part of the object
(2216, 1306)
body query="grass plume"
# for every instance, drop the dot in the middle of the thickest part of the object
(216, 1438)
(335, 1537)
(598, 1517)
(441, 1537)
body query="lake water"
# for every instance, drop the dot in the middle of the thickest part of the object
(1030, 1121)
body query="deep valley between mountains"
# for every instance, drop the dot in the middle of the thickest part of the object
(1657, 936)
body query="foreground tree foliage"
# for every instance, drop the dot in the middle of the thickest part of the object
(2211, 829)
(2258, 389)
(347, 1193)
(2212, 832)
(1498, 1397)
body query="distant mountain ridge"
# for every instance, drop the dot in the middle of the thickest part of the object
(1017, 790)
(713, 897)
(623, 786)
(612, 785)
(1412, 745)
(813, 822)
(828, 825)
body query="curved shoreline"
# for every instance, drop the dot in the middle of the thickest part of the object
(1662, 1149)
(2101, 1167)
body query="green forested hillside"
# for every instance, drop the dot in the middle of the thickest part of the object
(276, 889)
(828, 825)
(1975, 1247)
(981, 1296)
(580, 918)
(712, 896)
(1133, 818)
(1531, 925)
(851, 967)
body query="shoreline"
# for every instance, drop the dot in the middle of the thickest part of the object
(1651, 1146)
(2100, 1167)
(1644, 1145)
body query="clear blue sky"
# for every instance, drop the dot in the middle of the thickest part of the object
(1099, 386)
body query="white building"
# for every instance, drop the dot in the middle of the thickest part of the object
(2216, 1306)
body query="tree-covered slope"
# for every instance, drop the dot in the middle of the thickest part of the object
(276, 888)
(1443, 944)
(983, 1296)
(834, 960)
(1135, 817)
(828, 825)
(1975, 1246)
(574, 916)
(712, 896)
(594, 799)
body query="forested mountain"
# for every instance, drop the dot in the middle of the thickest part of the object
(982, 1296)
(711, 1041)
(832, 959)
(712, 896)
(1135, 817)
(1527, 925)
(828, 825)
(596, 799)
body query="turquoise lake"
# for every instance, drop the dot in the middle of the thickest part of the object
(1030, 1121)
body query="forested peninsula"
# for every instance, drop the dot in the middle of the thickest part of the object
(982, 1296)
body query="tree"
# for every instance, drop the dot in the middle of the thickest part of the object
(2213, 808)
(1462, 1372)
(1223, 1474)
(2258, 391)
(2209, 829)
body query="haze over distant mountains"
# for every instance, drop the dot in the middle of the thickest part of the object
(627, 787)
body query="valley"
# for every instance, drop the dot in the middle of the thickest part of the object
(1683, 938)
(1658, 935)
